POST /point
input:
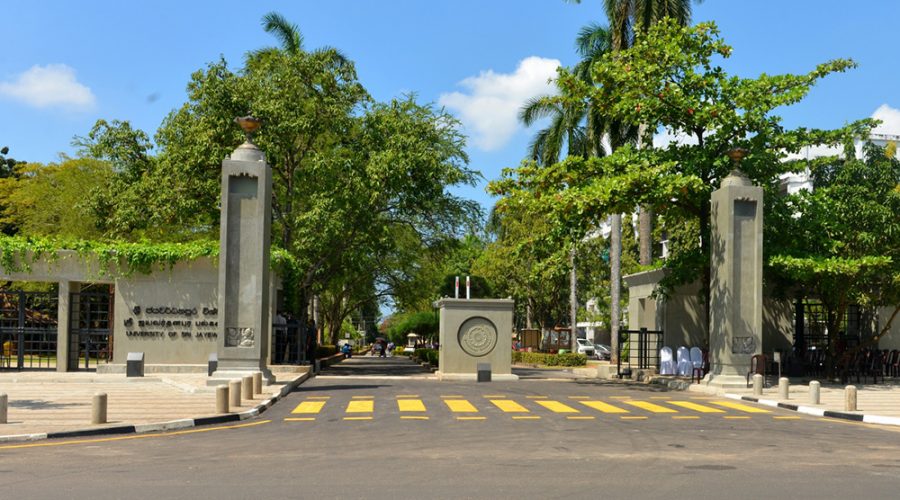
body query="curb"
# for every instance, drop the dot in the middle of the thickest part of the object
(164, 426)
(820, 412)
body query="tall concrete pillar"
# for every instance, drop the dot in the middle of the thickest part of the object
(736, 277)
(244, 262)
(63, 323)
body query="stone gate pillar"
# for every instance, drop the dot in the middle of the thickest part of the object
(244, 262)
(736, 277)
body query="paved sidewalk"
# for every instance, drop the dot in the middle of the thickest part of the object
(49, 402)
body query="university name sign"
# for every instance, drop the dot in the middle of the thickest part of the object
(158, 323)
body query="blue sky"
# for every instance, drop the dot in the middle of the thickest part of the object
(67, 64)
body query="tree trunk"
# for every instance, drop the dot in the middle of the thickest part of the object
(573, 301)
(615, 278)
(645, 228)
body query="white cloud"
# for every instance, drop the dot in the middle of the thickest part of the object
(890, 120)
(489, 107)
(53, 85)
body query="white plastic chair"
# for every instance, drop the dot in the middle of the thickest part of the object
(666, 364)
(683, 362)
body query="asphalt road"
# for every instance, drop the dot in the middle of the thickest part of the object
(357, 434)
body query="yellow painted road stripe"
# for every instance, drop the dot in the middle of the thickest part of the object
(451, 397)
(557, 407)
(410, 405)
(660, 397)
(738, 406)
(133, 436)
(414, 417)
(633, 418)
(470, 418)
(358, 418)
(309, 407)
(620, 397)
(299, 419)
(743, 417)
(685, 417)
(580, 417)
(362, 406)
(529, 417)
(696, 407)
(655, 408)
(787, 418)
(604, 407)
(460, 406)
(509, 406)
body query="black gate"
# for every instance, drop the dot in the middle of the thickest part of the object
(90, 328)
(28, 330)
(641, 346)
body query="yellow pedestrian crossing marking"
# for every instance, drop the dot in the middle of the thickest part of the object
(361, 406)
(309, 407)
(529, 417)
(685, 417)
(509, 406)
(536, 397)
(318, 397)
(696, 407)
(787, 418)
(358, 418)
(401, 396)
(410, 405)
(604, 407)
(451, 397)
(651, 407)
(494, 396)
(633, 418)
(299, 419)
(742, 417)
(471, 418)
(363, 397)
(557, 407)
(738, 406)
(460, 406)
(580, 417)
(579, 397)
(413, 417)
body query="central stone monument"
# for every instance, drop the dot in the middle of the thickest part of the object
(736, 277)
(475, 332)
(244, 262)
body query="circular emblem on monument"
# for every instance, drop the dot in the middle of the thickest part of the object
(477, 336)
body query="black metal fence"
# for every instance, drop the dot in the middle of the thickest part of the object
(293, 345)
(638, 347)
(28, 330)
(90, 328)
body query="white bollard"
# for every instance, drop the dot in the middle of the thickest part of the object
(757, 384)
(98, 408)
(257, 383)
(850, 398)
(814, 390)
(783, 388)
(234, 392)
(4, 402)
(222, 399)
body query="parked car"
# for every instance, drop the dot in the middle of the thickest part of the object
(603, 351)
(585, 347)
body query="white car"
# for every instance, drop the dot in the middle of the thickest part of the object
(585, 347)
(603, 351)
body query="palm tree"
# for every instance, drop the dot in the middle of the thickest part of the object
(292, 41)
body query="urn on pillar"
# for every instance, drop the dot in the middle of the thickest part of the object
(244, 261)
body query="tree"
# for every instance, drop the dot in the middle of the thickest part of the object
(840, 242)
(672, 80)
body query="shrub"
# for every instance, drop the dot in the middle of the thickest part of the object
(430, 355)
(323, 351)
(398, 351)
(540, 358)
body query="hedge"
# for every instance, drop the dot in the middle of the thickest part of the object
(430, 355)
(540, 358)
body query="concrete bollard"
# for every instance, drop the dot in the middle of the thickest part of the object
(222, 399)
(4, 403)
(247, 387)
(757, 384)
(850, 398)
(257, 383)
(234, 392)
(814, 390)
(784, 388)
(98, 408)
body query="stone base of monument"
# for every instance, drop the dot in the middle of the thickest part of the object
(475, 332)
(222, 377)
(725, 381)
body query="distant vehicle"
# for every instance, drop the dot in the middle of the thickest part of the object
(585, 347)
(603, 351)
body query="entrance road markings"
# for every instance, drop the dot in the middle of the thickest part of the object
(309, 407)
(660, 397)
(580, 417)
(557, 407)
(318, 397)
(361, 406)
(529, 417)
(471, 418)
(650, 407)
(495, 396)
(633, 418)
(684, 417)
(460, 406)
(579, 397)
(410, 405)
(738, 406)
(787, 418)
(299, 419)
(358, 418)
(604, 407)
(509, 406)
(744, 417)
(410, 417)
(401, 396)
(696, 407)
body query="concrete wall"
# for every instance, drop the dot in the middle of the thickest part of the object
(171, 315)
(891, 340)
